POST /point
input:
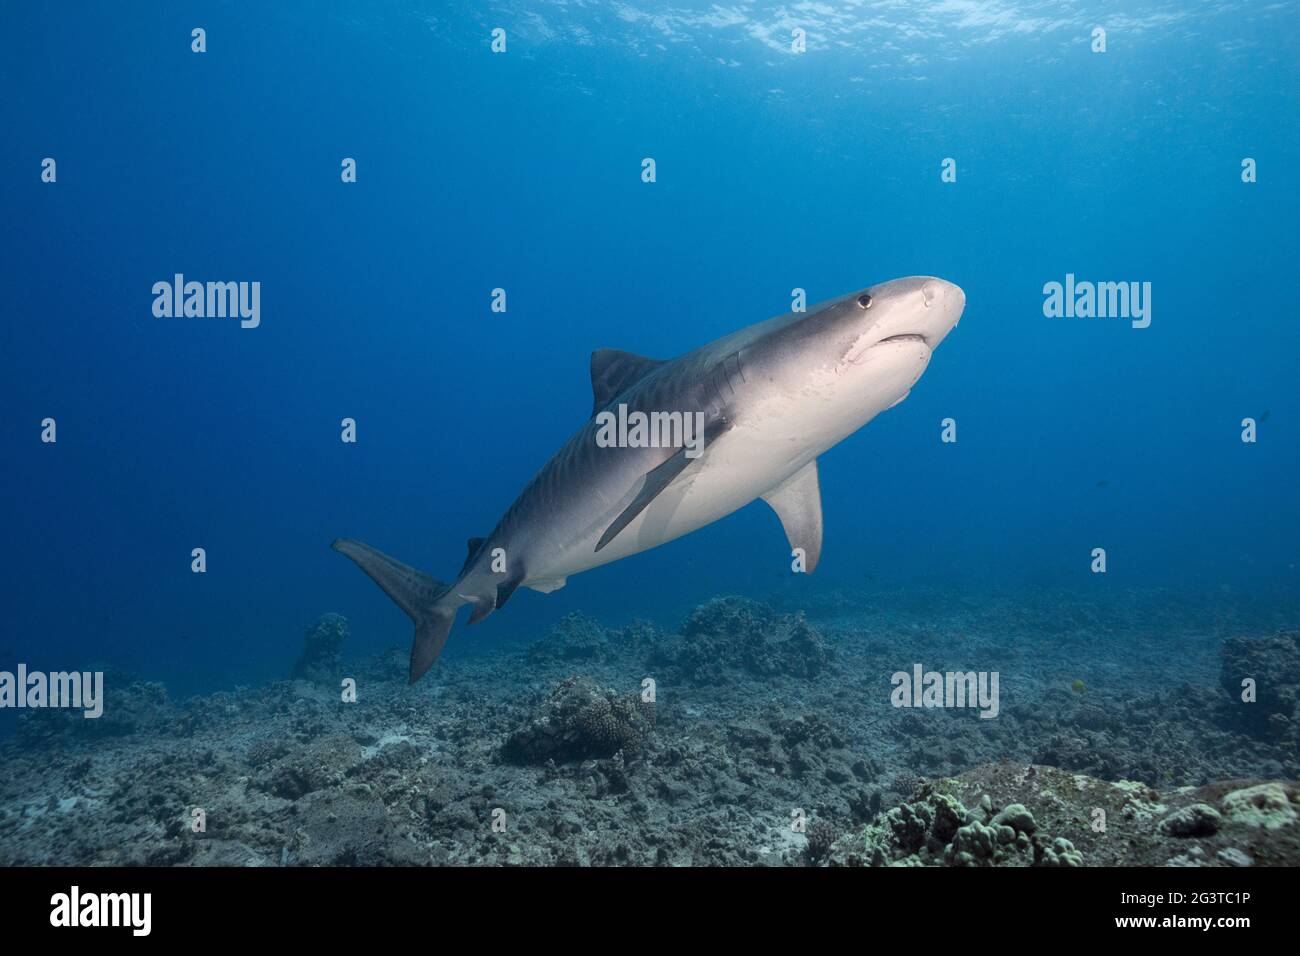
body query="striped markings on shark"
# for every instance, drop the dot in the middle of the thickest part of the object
(769, 399)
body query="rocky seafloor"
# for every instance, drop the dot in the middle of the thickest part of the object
(746, 735)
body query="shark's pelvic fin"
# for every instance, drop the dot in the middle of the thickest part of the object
(659, 478)
(797, 501)
(507, 587)
(613, 371)
(422, 598)
(483, 606)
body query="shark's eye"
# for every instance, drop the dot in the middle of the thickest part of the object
(864, 301)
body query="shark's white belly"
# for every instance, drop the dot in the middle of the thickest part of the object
(780, 434)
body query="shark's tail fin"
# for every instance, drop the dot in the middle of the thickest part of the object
(419, 595)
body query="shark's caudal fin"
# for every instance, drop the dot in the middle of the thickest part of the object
(419, 595)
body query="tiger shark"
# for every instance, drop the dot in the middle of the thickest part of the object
(674, 445)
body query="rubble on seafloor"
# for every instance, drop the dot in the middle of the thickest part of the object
(749, 736)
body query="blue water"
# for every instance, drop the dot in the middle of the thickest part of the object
(775, 170)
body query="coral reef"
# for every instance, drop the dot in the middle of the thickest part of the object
(575, 637)
(579, 719)
(130, 707)
(937, 829)
(821, 838)
(546, 754)
(1273, 663)
(731, 634)
(1064, 819)
(321, 644)
(262, 752)
(1269, 806)
(1194, 820)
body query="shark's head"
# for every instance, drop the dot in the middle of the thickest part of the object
(880, 339)
(860, 354)
(915, 312)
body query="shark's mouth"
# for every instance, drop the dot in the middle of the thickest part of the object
(904, 338)
(861, 350)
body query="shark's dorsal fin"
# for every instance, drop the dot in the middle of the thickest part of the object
(797, 501)
(659, 478)
(472, 547)
(612, 371)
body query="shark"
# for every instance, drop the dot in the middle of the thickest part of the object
(742, 418)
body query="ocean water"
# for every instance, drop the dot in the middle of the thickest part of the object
(775, 169)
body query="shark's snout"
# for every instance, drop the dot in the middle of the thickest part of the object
(943, 305)
(941, 293)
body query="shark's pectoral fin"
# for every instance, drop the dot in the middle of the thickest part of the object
(797, 501)
(659, 478)
(613, 371)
